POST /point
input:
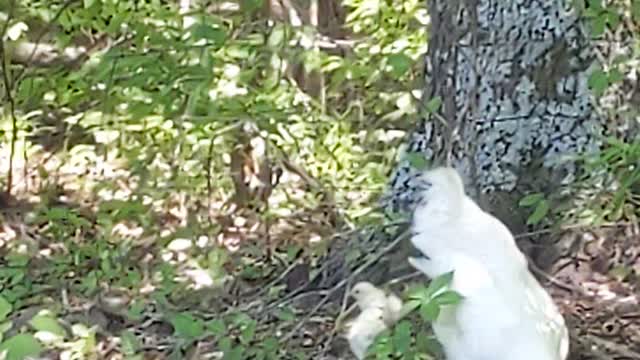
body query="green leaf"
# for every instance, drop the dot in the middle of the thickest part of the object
(409, 306)
(250, 6)
(47, 323)
(277, 36)
(88, 3)
(4, 327)
(598, 25)
(18, 260)
(271, 345)
(237, 353)
(542, 209)
(248, 332)
(448, 297)
(207, 32)
(130, 344)
(187, 326)
(635, 10)
(433, 104)
(402, 337)
(615, 76)
(5, 308)
(426, 343)
(612, 18)
(531, 199)
(399, 63)
(430, 311)
(217, 327)
(417, 160)
(21, 346)
(440, 283)
(598, 82)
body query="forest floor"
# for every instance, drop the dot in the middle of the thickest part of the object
(103, 279)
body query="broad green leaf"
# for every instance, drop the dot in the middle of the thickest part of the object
(417, 160)
(251, 6)
(409, 306)
(433, 104)
(217, 327)
(271, 345)
(598, 25)
(635, 10)
(531, 199)
(237, 353)
(399, 63)
(440, 283)
(203, 31)
(402, 337)
(277, 37)
(598, 82)
(4, 327)
(426, 343)
(5, 308)
(47, 323)
(615, 76)
(539, 213)
(248, 332)
(449, 297)
(187, 326)
(612, 18)
(429, 311)
(21, 346)
(130, 344)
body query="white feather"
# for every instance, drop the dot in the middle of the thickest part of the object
(505, 313)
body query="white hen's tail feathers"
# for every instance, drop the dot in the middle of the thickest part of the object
(445, 197)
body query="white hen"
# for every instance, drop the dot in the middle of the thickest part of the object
(378, 311)
(505, 314)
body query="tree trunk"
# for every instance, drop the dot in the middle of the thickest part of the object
(512, 76)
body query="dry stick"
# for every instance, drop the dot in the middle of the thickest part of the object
(570, 227)
(8, 85)
(294, 294)
(276, 280)
(334, 330)
(355, 273)
(622, 350)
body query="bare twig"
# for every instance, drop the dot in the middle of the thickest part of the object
(342, 283)
(326, 264)
(8, 87)
(550, 230)
(617, 348)
(38, 39)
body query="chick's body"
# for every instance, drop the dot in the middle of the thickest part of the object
(378, 312)
(364, 329)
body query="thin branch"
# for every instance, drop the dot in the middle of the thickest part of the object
(44, 31)
(8, 86)
(342, 283)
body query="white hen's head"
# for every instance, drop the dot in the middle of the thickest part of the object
(444, 193)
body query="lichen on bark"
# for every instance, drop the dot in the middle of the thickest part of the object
(512, 76)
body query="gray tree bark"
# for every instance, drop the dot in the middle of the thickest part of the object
(516, 107)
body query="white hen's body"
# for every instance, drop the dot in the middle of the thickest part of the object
(506, 314)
